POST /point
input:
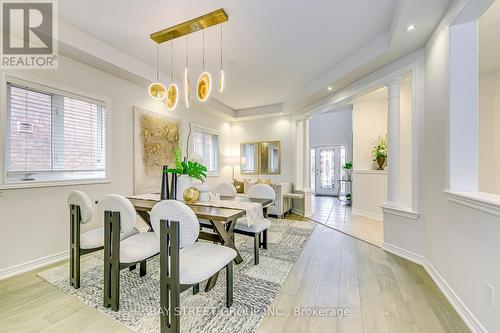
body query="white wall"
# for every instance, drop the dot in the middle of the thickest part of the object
(332, 128)
(268, 129)
(369, 121)
(489, 132)
(461, 243)
(34, 222)
(369, 191)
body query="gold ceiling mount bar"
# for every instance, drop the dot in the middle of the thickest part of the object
(216, 17)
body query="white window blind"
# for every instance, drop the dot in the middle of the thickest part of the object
(206, 144)
(52, 137)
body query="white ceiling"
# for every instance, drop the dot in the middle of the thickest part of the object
(489, 46)
(274, 51)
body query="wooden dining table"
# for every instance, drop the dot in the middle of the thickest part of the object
(222, 220)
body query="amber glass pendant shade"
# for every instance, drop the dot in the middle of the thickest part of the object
(204, 86)
(172, 96)
(157, 91)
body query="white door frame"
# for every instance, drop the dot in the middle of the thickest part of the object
(337, 167)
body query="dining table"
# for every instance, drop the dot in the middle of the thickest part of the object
(222, 219)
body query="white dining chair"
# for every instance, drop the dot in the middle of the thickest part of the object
(257, 229)
(225, 189)
(184, 262)
(120, 217)
(82, 212)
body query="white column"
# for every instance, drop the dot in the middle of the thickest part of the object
(307, 156)
(299, 176)
(393, 142)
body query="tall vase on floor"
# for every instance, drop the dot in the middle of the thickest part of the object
(183, 183)
(164, 193)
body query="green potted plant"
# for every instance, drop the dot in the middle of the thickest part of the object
(347, 170)
(379, 151)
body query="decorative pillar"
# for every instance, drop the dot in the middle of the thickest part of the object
(299, 172)
(393, 142)
(307, 156)
(306, 162)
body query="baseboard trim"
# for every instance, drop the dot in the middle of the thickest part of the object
(463, 311)
(32, 265)
(465, 314)
(400, 252)
(375, 216)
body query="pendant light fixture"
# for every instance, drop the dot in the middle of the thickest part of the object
(221, 78)
(156, 89)
(172, 92)
(187, 84)
(204, 86)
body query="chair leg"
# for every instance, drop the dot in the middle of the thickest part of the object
(196, 289)
(112, 260)
(256, 249)
(74, 255)
(229, 284)
(142, 271)
(264, 239)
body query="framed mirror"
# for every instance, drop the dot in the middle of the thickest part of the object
(270, 157)
(249, 153)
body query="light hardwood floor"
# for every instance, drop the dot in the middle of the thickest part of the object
(384, 293)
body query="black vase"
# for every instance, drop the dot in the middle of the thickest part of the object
(173, 189)
(164, 193)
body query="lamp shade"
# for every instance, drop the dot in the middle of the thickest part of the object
(231, 160)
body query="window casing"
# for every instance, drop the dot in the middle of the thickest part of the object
(52, 136)
(206, 144)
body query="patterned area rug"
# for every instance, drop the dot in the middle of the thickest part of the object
(255, 287)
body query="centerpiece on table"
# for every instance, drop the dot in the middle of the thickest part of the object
(379, 151)
(186, 171)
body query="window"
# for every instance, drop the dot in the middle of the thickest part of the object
(52, 136)
(206, 144)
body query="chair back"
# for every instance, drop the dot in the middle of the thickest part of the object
(79, 198)
(172, 210)
(226, 189)
(118, 203)
(262, 191)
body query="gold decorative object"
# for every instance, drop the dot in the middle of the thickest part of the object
(191, 195)
(260, 158)
(172, 96)
(204, 86)
(157, 91)
(185, 28)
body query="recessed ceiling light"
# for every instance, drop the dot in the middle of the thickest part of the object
(411, 27)
(330, 88)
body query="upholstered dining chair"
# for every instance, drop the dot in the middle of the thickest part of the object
(184, 262)
(258, 229)
(82, 212)
(119, 217)
(225, 189)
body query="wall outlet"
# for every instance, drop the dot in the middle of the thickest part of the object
(490, 295)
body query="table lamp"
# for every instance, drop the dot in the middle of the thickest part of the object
(232, 161)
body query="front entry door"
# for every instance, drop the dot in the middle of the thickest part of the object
(327, 171)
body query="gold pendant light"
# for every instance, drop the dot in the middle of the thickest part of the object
(204, 86)
(187, 84)
(156, 89)
(221, 78)
(172, 92)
